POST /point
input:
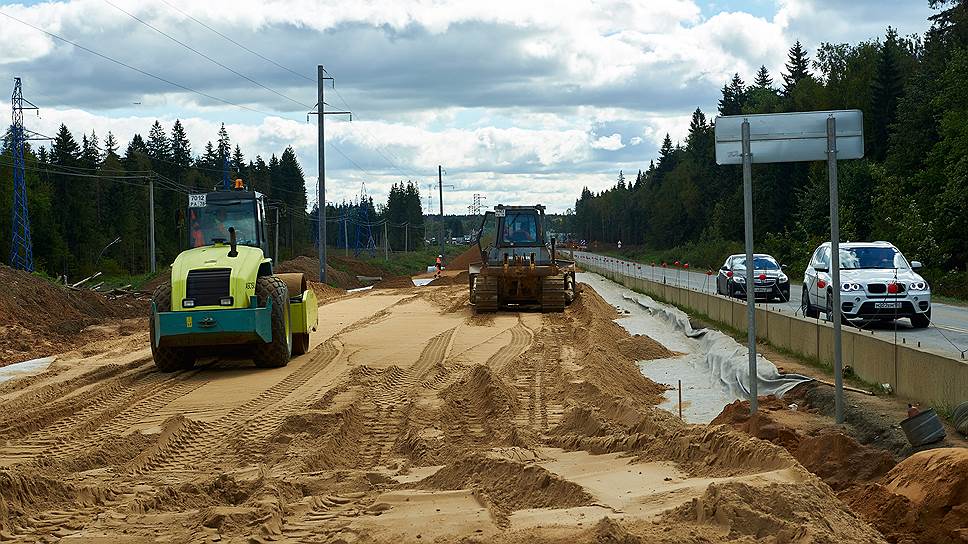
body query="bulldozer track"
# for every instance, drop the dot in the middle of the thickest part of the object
(486, 295)
(553, 297)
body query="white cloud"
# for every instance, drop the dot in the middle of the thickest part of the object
(609, 143)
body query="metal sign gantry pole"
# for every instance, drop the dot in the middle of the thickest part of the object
(750, 268)
(835, 267)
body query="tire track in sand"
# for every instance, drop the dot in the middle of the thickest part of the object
(184, 447)
(111, 413)
(383, 405)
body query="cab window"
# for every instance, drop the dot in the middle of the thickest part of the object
(520, 228)
(211, 223)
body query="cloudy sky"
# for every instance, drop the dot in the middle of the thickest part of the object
(521, 101)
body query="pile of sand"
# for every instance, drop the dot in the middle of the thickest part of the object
(458, 279)
(923, 499)
(840, 460)
(41, 318)
(471, 256)
(309, 266)
(325, 292)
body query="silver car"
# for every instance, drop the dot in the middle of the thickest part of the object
(876, 284)
(769, 280)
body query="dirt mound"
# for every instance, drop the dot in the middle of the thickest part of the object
(355, 266)
(459, 279)
(923, 499)
(508, 485)
(310, 267)
(41, 318)
(396, 282)
(325, 292)
(782, 512)
(471, 256)
(840, 460)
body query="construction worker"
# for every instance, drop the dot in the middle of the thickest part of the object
(439, 265)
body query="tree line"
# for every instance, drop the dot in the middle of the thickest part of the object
(83, 195)
(911, 188)
(352, 224)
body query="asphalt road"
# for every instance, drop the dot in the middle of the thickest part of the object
(947, 334)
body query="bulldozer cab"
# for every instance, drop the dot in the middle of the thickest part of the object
(519, 226)
(210, 215)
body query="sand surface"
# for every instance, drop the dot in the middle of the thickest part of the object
(410, 420)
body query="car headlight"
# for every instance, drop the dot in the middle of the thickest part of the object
(782, 278)
(738, 278)
(918, 286)
(847, 286)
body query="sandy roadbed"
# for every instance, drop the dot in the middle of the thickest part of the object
(411, 420)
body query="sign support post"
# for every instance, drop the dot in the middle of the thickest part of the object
(792, 137)
(750, 268)
(835, 267)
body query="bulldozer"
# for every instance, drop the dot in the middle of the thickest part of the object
(223, 297)
(520, 270)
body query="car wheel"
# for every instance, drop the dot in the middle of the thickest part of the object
(921, 321)
(808, 309)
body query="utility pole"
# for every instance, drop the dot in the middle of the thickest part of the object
(151, 220)
(386, 242)
(346, 237)
(406, 236)
(440, 188)
(321, 154)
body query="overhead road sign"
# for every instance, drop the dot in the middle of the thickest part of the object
(789, 137)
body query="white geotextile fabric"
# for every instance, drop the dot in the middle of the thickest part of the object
(725, 359)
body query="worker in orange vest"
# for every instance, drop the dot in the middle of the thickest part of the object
(440, 266)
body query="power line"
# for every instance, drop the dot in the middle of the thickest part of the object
(263, 57)
(203, 55)
(130, 67)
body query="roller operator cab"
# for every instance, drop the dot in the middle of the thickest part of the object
(520, 268)
(223, 297)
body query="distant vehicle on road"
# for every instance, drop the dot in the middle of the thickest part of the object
(769, 280)
(876, 284)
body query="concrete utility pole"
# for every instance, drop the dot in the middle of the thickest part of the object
(386, 243)
(151, 221)
(835, 268)
(321, 179)
(440, 188)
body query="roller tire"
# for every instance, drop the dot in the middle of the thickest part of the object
(553, 293)
(485, 294)
(167, 359)
(276, 353)
(300, 343)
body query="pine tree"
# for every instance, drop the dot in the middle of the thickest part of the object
(159, 148)
(734, 97)
(224, 145)
(238, 162)
(886, 89)
(797, 68)
(763, 79)
(181, 150)
(110, 146)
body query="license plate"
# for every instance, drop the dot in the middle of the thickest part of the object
(763, 289)
(887, 305)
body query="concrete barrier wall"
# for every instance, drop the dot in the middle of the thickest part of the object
(914, 373)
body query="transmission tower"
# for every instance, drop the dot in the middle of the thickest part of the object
(475, 208)
(364, 232)
(21, 248)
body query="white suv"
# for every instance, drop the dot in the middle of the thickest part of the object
(876, 284)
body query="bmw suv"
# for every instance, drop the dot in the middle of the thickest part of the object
(876, 284)
(769, 279)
